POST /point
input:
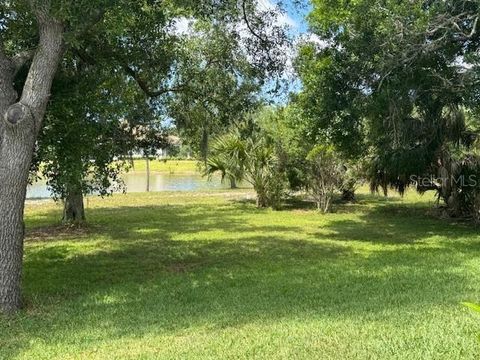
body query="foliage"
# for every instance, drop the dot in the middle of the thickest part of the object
(248, 154)
(221, 86)
(228, 157)
(391, 80)
(352, 176)
(289, 128)
(264, 171)
(83, 136)
(286, 126)
(324, 175)
(127, 65)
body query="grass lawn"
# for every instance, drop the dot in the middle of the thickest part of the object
(208, 276)
(167, 166)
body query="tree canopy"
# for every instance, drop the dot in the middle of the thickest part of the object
(393, 80)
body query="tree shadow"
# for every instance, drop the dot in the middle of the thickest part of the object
(304, 202)
(158, 270)
(397, 224)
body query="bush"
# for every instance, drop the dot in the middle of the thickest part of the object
(324, 175)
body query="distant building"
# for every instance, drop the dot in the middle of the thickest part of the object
(175, 143)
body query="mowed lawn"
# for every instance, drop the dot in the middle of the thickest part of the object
(208, 276)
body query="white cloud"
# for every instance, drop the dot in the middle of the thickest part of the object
(282, 19)
(309, 37)
(182, 26)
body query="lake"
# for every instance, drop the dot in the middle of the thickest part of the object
(137, 182)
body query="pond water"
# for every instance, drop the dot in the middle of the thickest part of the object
(137, 182)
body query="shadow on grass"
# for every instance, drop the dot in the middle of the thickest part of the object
(303, 202)
(161, 269)
(397, 224)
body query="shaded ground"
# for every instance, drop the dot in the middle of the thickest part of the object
(194, 276)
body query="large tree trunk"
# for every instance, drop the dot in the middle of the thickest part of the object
(11, 202)
(20, 122)
(73, 208)
(16, 152)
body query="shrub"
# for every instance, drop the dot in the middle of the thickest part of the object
(324, 175)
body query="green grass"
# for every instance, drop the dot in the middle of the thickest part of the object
(167, 166)
(208, 276)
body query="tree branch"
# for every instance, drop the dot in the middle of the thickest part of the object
(36, 91)
(146, 88)
(247, 22)
(97, 16)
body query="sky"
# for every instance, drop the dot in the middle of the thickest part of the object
(294, 16)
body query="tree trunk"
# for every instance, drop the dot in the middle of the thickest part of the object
(148, 174)
(20, 122)
(348, 195)
(11, 198)
(233, 183)
(204, 145)
(73, 209)
(16, 153)
(132, 162)
(262, 201)
(385, 189)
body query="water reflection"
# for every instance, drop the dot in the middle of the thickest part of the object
(137, 182)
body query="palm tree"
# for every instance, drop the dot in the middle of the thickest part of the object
(253, 160)
(228, 157)
(446, 161)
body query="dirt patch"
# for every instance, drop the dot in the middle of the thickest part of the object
(55, 232)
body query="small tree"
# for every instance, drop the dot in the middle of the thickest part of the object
(228, 158)
(148, 139)
(253, 160)
(324, 175)
(81, 145)
(264, 172)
